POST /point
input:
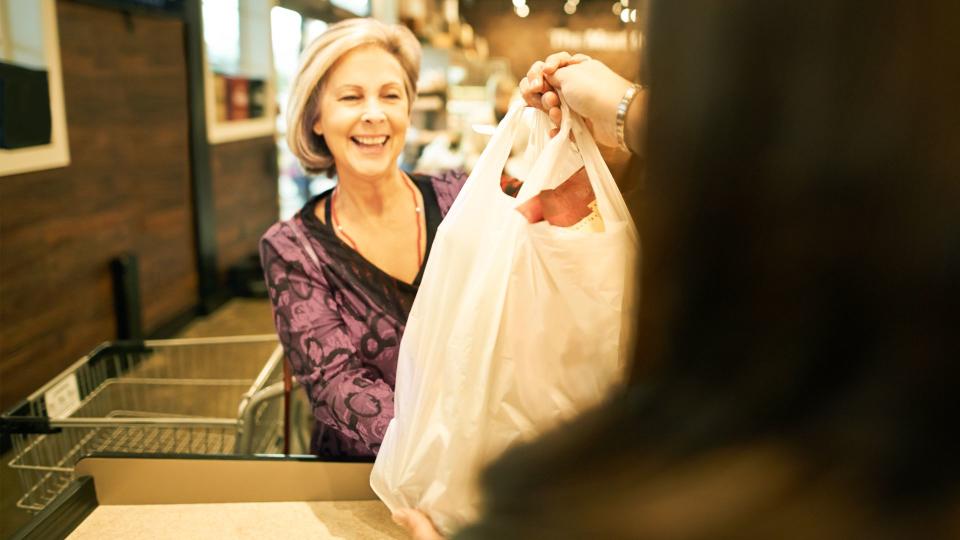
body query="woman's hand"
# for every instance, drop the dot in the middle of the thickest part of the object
(590, 88)
(417, 524)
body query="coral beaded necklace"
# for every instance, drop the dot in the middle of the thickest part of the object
(417, 210)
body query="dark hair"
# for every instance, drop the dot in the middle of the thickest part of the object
(803, 224)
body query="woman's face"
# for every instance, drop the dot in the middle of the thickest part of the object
(364, 112)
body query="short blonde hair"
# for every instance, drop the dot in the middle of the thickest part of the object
(303, 108)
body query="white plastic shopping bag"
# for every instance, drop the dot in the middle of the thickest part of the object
(516, 327)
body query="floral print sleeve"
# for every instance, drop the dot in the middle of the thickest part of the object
(447, 186)
(347, 395)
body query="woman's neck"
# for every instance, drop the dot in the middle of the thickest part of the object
(371, 196)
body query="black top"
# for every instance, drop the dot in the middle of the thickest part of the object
(392, 294)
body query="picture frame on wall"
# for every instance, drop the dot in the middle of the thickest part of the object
(35, 130)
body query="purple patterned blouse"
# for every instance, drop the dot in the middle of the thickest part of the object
(340, 319)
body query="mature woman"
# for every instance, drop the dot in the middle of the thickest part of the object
(343, 272)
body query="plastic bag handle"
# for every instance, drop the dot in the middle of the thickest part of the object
(609, 199)
(566, 116)
(497, 151)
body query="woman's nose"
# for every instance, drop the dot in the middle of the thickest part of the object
(373, 113)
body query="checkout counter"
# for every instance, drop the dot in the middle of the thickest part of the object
(182, 497)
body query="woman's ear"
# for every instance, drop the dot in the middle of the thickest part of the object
(317, 127)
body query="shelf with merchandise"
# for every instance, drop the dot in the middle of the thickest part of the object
(239, 86)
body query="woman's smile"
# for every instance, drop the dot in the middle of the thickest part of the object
(370, 140)
(370, 143)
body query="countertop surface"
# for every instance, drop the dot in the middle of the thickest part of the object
(353, 520)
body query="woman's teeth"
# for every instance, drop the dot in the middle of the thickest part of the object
(370, 141)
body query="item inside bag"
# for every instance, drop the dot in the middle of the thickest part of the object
(572, 204)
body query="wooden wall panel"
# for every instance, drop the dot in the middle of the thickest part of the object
(127, 189)
(245, 197)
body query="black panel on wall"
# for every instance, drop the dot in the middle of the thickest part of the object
(24, 106)
(173, 7)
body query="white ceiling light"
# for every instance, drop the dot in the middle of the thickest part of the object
(617, 8)
(625, 15)
(569, 8)
(523, 10)
(633, 16)
(518, 3)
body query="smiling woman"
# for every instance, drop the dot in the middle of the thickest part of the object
(343, 272)
(363, 116)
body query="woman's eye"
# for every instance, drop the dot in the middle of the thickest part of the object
(349, 98)
(393, 96)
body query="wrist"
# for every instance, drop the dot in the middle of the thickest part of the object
(624, 107)
(635, 125)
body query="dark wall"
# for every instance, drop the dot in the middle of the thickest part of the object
(127, 189)
(245, 197)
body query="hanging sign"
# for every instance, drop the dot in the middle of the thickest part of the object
(595, 39)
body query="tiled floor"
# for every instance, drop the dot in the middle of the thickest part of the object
(239, 316)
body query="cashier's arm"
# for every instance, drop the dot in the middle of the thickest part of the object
(592, 90)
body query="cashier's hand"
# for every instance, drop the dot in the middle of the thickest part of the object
(590, 88)
(537, 91)
(417, 524)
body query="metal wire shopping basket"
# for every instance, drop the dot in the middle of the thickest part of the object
(179, 396)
